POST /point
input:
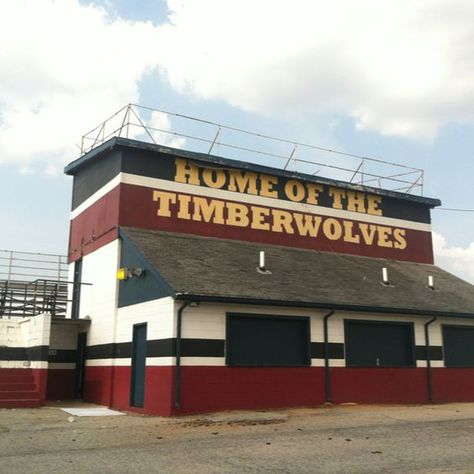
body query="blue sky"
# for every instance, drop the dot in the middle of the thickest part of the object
(400, 88)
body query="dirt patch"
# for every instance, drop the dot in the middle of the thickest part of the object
(204, 422)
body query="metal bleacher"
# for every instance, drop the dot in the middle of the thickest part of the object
(32, 283)
(23, 299)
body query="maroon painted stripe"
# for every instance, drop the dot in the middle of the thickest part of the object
(139, 210)
(133, 206)
(96, 226)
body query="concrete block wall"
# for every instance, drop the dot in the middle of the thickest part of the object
(208, 321)
(208, 384)
(24, 345)
(98, 304)
(31, 333)
(108, 378)
(99, 301)
(10, 333)
(36, 330)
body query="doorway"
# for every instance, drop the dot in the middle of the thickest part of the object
(80, 363)
(137, 386)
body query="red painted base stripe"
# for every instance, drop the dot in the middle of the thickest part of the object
(379, 385)
(110, 386)
(22, 388)
(209, 389)
(453, 385)
(61, 384)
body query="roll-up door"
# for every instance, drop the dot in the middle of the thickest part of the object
(254, 340)
(379, 344)
(458, 342)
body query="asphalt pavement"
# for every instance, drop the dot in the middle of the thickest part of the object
(336, 439)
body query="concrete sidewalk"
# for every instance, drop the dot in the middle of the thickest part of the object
(355, 439)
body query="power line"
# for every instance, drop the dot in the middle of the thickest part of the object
(453, 209)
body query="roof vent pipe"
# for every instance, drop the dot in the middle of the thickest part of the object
(385, 275)
(431, 282)
(261, 264)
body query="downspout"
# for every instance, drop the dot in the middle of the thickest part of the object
(327, 372)
(429, 375)
(177, 393)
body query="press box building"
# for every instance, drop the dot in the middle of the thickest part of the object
(204, 284)
(244, 286)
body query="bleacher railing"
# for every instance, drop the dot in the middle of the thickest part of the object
(32, 283)
(26, 299)
(29, 266)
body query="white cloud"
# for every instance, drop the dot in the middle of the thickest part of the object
(401, 68)
(51, 170)
(64, 67)
(25, 170)
(457, 260)
(159, 126)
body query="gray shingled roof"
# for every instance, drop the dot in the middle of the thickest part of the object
(226, 269)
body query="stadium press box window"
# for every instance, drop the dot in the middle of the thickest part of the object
(273, 341)
(458, 342)
(379, 344)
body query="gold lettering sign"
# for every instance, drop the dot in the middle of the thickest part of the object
(260, 184)
(217, 211)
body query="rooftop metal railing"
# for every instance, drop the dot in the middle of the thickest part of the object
(204, 136)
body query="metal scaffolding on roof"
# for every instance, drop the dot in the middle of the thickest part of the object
(185, 132)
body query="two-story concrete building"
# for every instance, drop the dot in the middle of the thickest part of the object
(243, 286)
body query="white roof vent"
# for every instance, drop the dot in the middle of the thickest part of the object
(385, 276)
(261, 265)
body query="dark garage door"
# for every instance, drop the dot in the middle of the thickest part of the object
(379, 344)
(458, 342)
(254, 340)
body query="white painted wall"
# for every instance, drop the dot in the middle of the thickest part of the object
(208, 321)
(160, 319)
(157, 313)
(99, 301)
(24, 332)
(10, 333)
(70, 279)
(36, 331)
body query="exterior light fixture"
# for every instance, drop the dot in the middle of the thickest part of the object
(124, 273)
(137, 271)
